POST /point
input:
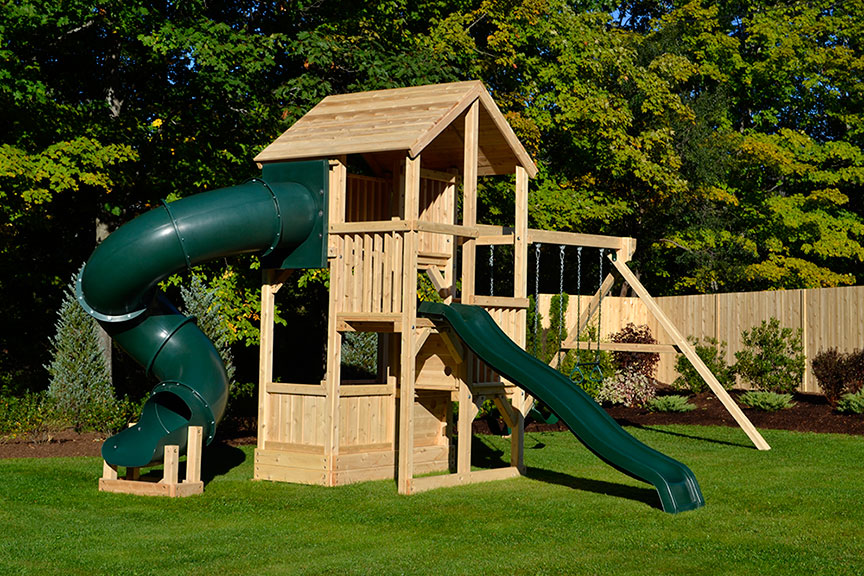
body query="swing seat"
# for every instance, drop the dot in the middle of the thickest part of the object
(539, 416)
(587, 372)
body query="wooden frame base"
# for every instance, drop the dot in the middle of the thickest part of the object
(169, 485)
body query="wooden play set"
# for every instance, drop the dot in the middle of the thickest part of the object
(413, 211)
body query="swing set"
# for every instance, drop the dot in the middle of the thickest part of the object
(582, 371)
(618, 252)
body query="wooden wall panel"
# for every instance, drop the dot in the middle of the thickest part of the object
(367, 199)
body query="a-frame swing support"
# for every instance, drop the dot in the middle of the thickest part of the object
(690, 353)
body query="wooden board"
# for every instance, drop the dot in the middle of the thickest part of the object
(402, 119)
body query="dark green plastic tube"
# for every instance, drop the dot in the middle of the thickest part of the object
(118, 287)
(675, 483)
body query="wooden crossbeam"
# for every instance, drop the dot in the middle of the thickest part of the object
(622, 347)
(691, 355)
(591, 309)
(573, 239)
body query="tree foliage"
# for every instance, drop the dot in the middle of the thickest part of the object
(725, 136)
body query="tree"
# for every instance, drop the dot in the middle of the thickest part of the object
(80, 382)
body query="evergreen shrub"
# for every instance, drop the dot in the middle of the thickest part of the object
(671, 403)
(852, 403)
(204, 304)
(360, 354)
(766, 401)
(79, 390)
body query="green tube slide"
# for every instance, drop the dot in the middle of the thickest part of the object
(281, 216)
(675, 483)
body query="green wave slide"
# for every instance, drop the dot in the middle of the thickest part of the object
(675, 483)
(281, 216)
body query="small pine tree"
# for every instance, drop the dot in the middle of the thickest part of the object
(203, 303)
(80, 381)
(534, 329)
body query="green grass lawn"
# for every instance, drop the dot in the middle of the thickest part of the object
(794, 510)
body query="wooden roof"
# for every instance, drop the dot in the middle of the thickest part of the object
(406, 120)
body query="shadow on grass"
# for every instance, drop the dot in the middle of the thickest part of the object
(682, 435)
(485, 456)
(219, 459)
(645, 495)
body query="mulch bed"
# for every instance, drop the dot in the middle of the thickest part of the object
(811, 414)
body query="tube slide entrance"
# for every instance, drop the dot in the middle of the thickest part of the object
(282, 216)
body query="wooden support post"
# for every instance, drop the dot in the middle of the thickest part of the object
(171, 465)
(453, 345)
(332, 377)
(438, 282)
(409, 324)
(420, 337)
(506, 410)
(265, 353)
(691, 355)
(194, 447)
(520, 290)
(109, 472)
(469, 199)
(466, 415)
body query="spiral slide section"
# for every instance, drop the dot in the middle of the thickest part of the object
(281, 216)
(674, 481)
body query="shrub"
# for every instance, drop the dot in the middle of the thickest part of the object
(557, 324)
(856, 381)
(80, 390)
(772, 359)
(204, 304)
(595, 366)
(19, 416)
(360, 354)
(638, 362)
(766, 401)
(629, 388)
(851, 403)
(713, 354)
(533, 330)
(672, 403)
(838, 372)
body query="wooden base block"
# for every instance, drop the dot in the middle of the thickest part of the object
(144, 488)
(169, 485)
(473, 477)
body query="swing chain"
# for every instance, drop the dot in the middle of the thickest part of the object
(491, 270)
(536, 295)
(560, 300)
(578, 298)
(599, 307)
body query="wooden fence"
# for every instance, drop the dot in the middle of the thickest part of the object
(827, 318)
